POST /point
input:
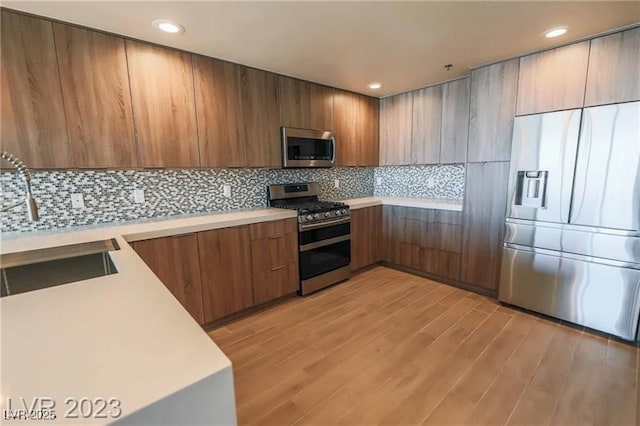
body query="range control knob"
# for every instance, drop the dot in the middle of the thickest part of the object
(327, 214)
(309, 217)
(344, 211)
(316, 216)
(338, 213)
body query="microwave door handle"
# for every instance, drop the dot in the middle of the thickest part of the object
(333, 149)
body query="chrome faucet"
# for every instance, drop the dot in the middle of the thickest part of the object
(32, 207)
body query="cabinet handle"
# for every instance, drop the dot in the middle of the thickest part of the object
(182, 235)
(275, 237)
(278, 268)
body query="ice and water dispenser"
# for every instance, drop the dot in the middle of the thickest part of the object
(531, 187)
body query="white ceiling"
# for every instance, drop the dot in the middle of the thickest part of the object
(404, 45)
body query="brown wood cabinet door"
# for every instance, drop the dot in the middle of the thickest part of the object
(483, 228)
(366, 224)
(369, 126)
(33, 125)
(553, 80)
(175, 262)
(219, 113)
(346, 112)
(614, 67)
(277, 282)
(395, 129)
(294, 102)
(426, 125)
(97, 100)
(225, 266)
(163, 105)
(493, 104)
(455, 121)
(320, 107)
(260, 116)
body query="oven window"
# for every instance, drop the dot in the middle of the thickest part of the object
(309, 149)
(319, 234)
(324, 259)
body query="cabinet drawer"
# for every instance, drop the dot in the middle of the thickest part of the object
(268, 253)
(440, 262)
(271, 284)
(273, 229)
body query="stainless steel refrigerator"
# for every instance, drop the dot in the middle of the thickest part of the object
(572, 241)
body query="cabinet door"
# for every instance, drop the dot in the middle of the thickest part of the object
(225, 266)
(33, 125)
(483, 223)
(614, 67)
(175, 262)
(426, 125)
(163, 105)
(455, 121)
(97, 100)
(260, 116)
(219, 113)
(493, 103)
(320, 107)
(346, 112)
(369, 126)
(366, 224)
(294, 102)
(395, 129)
(553, 80)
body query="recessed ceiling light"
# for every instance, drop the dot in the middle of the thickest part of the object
(555, 32)
(374, 86)
(167, 26)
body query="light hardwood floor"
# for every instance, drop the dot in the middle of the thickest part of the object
(389, 347)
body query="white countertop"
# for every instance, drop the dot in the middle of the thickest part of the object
(122, 335)
(423, 203)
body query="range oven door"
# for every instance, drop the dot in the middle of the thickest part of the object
(325, 254)
(308, 148)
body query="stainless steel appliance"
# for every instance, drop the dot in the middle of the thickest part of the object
(308, 148)
(324, 234)
(572, 242)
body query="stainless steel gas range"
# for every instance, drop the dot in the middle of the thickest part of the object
(324, 234)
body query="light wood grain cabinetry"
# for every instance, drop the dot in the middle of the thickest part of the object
(369, 125)
(553, 80)
(274, 252)
(33, 124)
(175, 262)
(356, 127)
(425, 240)
(366, 234)
(221, 137)
(395, 129)
(484, 214)
(426, 125)
(455, 121)
(163, 105)
(97, 100)
(305, 105)
(491, 111)
(225, 266)
(614, 69)
(260, 116)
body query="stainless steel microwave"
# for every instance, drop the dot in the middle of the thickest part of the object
(308, 148)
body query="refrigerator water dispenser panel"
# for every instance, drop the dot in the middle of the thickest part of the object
(531, 188)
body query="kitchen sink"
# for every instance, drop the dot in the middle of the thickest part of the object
(37, 269)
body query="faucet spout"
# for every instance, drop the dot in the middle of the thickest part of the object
(32, 207)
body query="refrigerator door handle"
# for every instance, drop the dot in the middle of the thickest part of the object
(580, 185)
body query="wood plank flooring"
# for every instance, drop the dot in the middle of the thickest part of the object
(388, 347)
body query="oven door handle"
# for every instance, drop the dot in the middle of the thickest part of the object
(324, 243)
(306, 227)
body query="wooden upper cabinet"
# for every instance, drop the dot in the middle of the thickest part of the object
(259, 93)
(491, 111)
(614, 69)
(32, 113)
(219, 113)
(97, 100)
(395, 129)
(175, 262)
(553, 80)
(162, 95)
(346, 114)
(427, 120)
(369, 126)
(455, 121)
(305, 105)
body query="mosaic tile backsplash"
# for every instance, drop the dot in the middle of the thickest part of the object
(108, 195)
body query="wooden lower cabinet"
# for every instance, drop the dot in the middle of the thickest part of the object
(274, 253)
(225, 266)
(426, 240)
(175, 262)
(366, 224)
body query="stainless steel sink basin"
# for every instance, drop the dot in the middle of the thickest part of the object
(37, 269)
